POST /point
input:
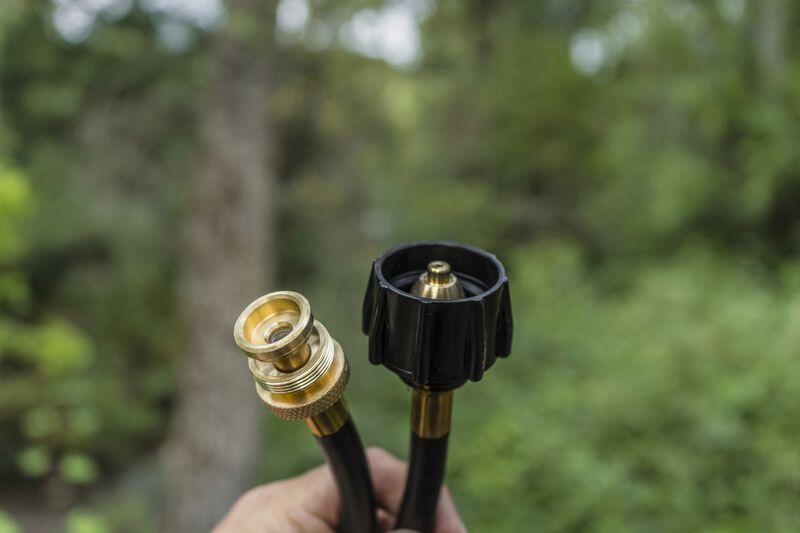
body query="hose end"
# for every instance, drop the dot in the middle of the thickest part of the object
(299, 369)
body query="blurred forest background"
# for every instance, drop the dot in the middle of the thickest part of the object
(634, 163)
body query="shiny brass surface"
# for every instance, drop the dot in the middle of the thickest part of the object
(305, 392)
(438, 283)
(275, 328)
(299, 369)
(330, 420)
(431, 412)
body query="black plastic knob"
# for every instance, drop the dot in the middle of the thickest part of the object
(438, 344)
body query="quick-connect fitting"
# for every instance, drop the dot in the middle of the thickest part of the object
(437, 313)
(300, 370)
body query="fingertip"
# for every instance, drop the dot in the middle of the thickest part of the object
(385, 520)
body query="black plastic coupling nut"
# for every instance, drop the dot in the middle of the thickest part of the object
(438, 344)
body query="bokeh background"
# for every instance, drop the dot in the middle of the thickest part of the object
(634, 163)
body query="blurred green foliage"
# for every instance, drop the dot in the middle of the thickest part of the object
(663, 407)
(8, 524)
(82, 521)
(646, 211)
(38, 356)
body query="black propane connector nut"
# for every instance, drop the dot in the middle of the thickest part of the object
(437, 344)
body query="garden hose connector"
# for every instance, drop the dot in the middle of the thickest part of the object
(299, 369)
(301, 373)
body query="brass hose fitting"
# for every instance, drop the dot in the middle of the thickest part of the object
(300, 370)
(301, 373)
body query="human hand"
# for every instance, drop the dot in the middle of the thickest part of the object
(309, 503)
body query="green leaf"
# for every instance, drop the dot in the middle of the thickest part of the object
(14, 290)
(40, 422)
(15, 201)
(8, 524)
(78, 468)
(83, 421)
(83, 521)
(34, 461)
(56, 347)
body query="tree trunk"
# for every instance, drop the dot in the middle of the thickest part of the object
(213, 446)
(769, 39)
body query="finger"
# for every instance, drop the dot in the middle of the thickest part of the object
(388, 478)
(316, 493)
(385, 520)
(447, 519)
(274, 506)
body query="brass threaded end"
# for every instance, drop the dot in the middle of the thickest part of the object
(299, 407)
(299, 369)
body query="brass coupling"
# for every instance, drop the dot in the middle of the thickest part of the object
(431, 412)
(300, 370)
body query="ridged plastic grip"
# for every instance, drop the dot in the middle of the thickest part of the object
(437, 343)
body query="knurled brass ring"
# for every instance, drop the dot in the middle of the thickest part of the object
(313, 400)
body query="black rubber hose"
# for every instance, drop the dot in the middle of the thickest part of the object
(345, 455)
(426, 467)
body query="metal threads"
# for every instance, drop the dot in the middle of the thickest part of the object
(314, 401)
(279, 382)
